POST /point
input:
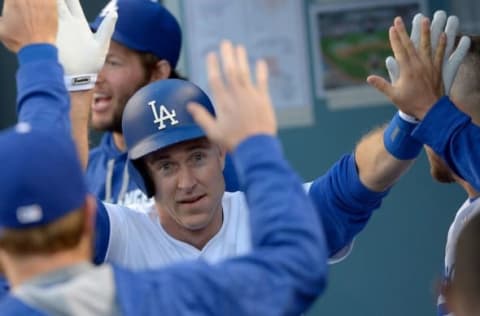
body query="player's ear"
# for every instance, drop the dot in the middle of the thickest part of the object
(222, 153)
(161, 70)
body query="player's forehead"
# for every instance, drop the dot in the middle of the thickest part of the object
(119, 50)
(182, 148)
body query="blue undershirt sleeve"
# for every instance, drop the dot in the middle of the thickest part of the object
(452, 135)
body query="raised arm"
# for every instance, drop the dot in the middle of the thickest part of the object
(82, 54)
(42, 101)
(286, 269)
(419, 92)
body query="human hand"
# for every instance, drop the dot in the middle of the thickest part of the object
(243, 108)
(451, 61)
(419, 84)
(27, 22)
(81, 52)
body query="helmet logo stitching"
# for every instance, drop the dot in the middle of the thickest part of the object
(163, 115)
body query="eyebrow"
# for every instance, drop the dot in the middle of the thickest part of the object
(193, 147)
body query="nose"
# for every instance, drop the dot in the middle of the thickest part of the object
(186, 179)
(101, 76)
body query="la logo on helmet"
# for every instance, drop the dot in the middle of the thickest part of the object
(111, 6)
(163, 115)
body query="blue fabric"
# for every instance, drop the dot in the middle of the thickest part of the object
(102, 234)
(14, 307)
(287, 272)
(4, 286)
(37, 52)
(343, 203)
(453, 136)
(42, 99)
(398, 141)
(145, 26)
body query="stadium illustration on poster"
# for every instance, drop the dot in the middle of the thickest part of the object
(350, 42)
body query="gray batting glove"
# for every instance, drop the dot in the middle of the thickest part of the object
(451, 61)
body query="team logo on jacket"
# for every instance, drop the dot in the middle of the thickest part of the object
(162, 115)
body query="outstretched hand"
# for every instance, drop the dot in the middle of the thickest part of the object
(419, 84)
(27, 22)
(452, 58)
(243, 108)
(81, 51)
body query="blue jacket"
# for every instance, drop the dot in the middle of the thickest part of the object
(287, 266)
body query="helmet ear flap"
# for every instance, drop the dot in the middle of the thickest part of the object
(140, 175)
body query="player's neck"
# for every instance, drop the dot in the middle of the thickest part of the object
(198, 238)
(119, 141)
(20, 270)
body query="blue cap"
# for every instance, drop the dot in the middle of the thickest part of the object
(156, 116)
(145, 26)
(41, 177)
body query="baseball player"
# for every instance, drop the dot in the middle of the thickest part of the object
(464, 94)
(45, 237)
(145, 47)
(193, 217)
(463, 290)
(445, 139)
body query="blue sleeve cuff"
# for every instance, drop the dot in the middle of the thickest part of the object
(253, 150)
(439, 123)
(36, 52)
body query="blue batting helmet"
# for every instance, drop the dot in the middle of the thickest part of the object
(145, 26)
(156, 117)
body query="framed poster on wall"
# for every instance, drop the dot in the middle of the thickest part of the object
(350, 41)
(270, 29)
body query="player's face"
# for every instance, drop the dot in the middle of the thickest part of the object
(189, 185)
(438, 168)
(121, 76)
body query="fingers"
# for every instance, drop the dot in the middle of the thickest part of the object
(451, 30)
(261, 70)
(204, 119)
(105, 30)
(243, 74)
(63, 11)
(440, 52)
(381, 85)
(75, 8)
(215, 80)
(397, 48)
(438, 23)
(425, 45)
(407, 48)
(416, 28)
(454, 62)
(392, 68)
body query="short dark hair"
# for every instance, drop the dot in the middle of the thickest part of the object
(149, 61)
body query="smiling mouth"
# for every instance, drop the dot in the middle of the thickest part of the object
(101, 102)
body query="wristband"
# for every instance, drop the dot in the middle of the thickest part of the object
(408, 118)
(80, 82)
(398, 141)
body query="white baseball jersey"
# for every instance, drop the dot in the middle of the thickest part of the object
(138, 240)
(465, 212)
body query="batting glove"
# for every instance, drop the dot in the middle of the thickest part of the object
(451, 61)
(81, 52)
